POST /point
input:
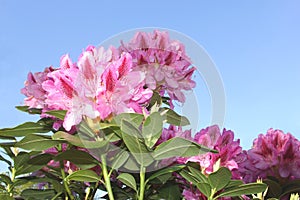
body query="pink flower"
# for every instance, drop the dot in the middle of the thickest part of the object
(274, 154)
(164, 61)
(33, 89)
(229, 150)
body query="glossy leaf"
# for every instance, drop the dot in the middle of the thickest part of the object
(29, 110)
(167, 170)
(120, 159)
(245, 189)
(178, 147)
(131, 136)
(219, 179)
(234, 183)
(189, 177)
(80, 158)
(5, 160)
(24, 129)
(84, 175)
(6, 179)
(79, 142)
(173, 118)
(198, 175)
(135, 119)
(5, 196)
(152, 129)
(205, 188)
(128, 180)
(59, 114)
(41, 159)
(35, 194)
(37, 142)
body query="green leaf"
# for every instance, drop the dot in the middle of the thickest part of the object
(128, 180)
(234, 183)
(5, 179)
(24, 129)
(2, 137)
(155, 99)
(59, 114)
(29, 110)
(120, 159)
(5, 196)
(178, 147)
(274, 188)
(22, 166)
(77, 141)
(5, 160)
(219, 179)
(169, 192)
(152, 129)
(198, 175)
(84, 175)
(131, 136)
(173, 118)
(134, 118)
(35, 194)
(204, 188)
(79, 158)
(167, 170)
(41, 159)
(292, 186)
(37, 142)
(245, 189)
(189, 177)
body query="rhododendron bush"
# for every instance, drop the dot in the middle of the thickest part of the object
(107, 123)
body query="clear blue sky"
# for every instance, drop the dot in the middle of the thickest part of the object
(254, 44)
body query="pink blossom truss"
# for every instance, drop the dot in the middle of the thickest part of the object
(273, 154)
(164, 61)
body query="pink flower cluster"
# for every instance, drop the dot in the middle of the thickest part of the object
(164, 61)
(275, 154)
(229, 150)
(106, 82)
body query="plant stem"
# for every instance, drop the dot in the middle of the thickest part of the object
(142, 183)
(63, 174)
(106, 177)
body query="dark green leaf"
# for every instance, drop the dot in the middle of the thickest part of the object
(37, 142)
(205, 188)
(41, 159)
(274, 188)
(84, 175)
(167, 170)
(234, 183)
(29, 110)
(24, 129)
(60, 114)
(155, 99)
(120, 159)
(178, 147)
(5, 179)
(292, 186)
(188, 176)
(245, 189)
(35, 194)
(134, 118)
(169, 192)
(5, 160)
(4, 196)
(219, 179)
(152, 129)
(80, 158)
(131, 136)
(79, 142)
(128, 180)
(198, 175)
(173, 118)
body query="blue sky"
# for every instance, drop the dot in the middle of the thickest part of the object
(254, 44)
